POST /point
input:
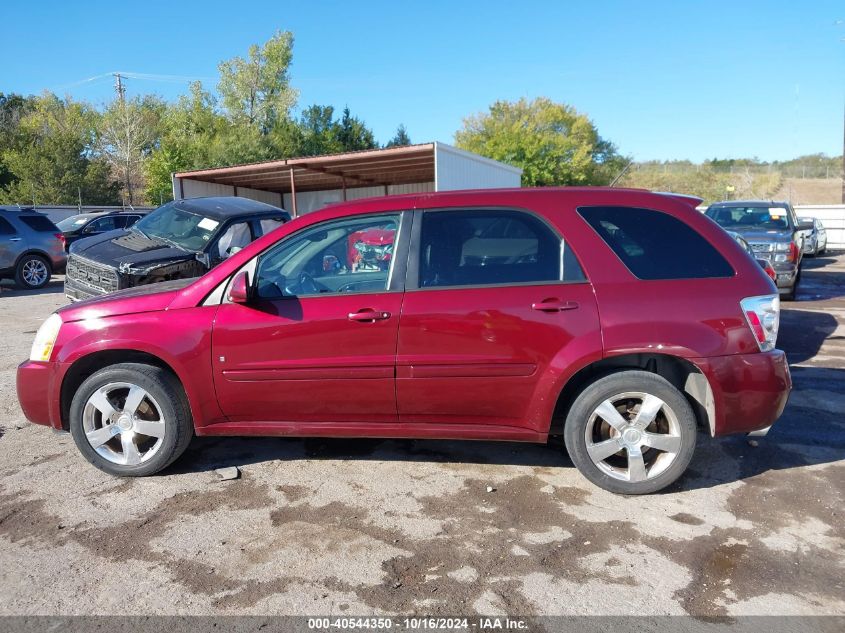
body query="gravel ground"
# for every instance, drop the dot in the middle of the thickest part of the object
(377, 527)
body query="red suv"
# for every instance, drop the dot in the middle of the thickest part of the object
(621, 319)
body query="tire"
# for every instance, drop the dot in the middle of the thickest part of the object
(32, 272)
(160, 430)
(673, 419)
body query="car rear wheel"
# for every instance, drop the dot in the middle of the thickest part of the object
(631, 433)
(32, 272)
(131, 419)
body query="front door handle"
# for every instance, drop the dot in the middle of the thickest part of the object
(368, 315)
(554, 305)
(14, 239)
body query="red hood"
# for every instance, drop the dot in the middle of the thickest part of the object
(150, 298)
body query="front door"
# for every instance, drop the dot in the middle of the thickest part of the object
(317, 344)
(492, 298)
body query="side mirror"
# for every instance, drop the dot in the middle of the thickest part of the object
(805, 226)
(239, 290)
(204, 259)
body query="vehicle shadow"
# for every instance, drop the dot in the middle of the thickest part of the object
(56, 285)
(822, 277)
(803, 332)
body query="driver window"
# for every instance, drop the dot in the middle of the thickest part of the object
(348, 255)
(233, 239)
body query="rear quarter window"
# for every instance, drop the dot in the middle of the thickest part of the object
(654, 245)
(39, 223)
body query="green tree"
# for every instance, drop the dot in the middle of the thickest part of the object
(13, 108)
(353, 134)
(256, 91)
(552, 142)
(54, 162)
(399, 139)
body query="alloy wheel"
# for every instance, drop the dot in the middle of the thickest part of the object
(35, 272)
(123, 423)
(633, 436)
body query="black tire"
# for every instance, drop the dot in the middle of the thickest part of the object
(28, 261)
(605, 388)
(168, 394)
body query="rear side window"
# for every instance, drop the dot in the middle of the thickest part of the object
(655, 245)
(39, 223)
(491, 247)
(6, 228)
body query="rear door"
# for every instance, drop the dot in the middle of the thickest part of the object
(492, 296)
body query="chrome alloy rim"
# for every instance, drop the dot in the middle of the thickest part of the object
(633, 436)
(123, 423)
(35, 272)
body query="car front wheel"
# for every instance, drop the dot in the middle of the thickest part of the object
(631, 433)
(131, 419)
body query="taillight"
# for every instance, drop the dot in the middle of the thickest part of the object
(793, 252)
(61, 237)
(763, 316)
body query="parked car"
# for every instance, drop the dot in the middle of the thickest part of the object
(621, 319)
(764, 263)
(773, 232)
(815, 239)
(179, 240)
(31, 249)
(84, 225)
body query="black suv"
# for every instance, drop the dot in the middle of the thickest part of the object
(181, 239)
(773, 232)
(83, 225)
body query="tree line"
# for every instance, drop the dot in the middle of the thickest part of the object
(57, 150)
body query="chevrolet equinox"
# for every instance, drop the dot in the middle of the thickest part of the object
(623, 320)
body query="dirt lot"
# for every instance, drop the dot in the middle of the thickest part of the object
(364, 527)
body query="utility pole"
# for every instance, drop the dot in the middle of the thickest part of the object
(119, 88)
(843, 159)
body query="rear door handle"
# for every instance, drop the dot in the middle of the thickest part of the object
(554, 305)
(14, 239)
(368, 315)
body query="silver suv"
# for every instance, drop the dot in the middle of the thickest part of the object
(31, 248)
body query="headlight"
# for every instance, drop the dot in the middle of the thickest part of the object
(782, 247)
(45, 338)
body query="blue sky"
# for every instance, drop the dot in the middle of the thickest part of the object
(661, 79)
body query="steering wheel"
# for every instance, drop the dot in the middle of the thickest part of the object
(305, 285)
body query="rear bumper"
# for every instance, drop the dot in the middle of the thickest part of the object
(749, 390)
(38, 386)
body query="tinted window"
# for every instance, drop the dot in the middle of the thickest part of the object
(39, 223)
(655, 245)
(103, 224)
(6, 228)
(349, 255)
(477, 248)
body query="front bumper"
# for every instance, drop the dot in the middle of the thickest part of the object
(750, 391)
(77, 292)
(39, 387)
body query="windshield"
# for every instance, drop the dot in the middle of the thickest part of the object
(170, 224)
(766, 218)
(73, 222)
